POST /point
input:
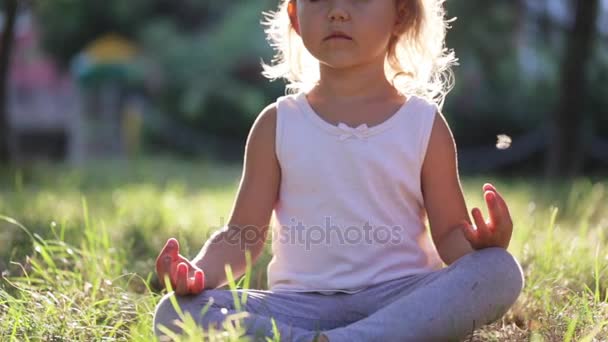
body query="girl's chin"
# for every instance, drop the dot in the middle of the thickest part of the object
(338, 60)
(339, 64)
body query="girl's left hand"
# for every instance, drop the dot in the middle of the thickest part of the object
(495, 232)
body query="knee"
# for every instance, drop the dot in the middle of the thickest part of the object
(166, 315)
(205, 308)
(503, 272)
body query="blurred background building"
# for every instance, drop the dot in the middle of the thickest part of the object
(42, 99)
(91, 110)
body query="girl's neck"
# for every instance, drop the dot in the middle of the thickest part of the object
(361, 82)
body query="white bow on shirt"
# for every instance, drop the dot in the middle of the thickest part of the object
(359, 132)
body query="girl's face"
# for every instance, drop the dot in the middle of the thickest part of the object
(368, 25)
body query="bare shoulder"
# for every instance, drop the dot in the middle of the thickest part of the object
(262, 133)
(441, 142)
(268, 115)
(440, 161)
(266, 122)
(441, 133)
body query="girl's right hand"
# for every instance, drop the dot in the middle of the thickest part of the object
(186, 278)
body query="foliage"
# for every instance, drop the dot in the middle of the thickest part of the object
(509, 77)
(213, 76)
(67, 26)
(209, 55)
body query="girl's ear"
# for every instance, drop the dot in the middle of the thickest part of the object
(292, 11)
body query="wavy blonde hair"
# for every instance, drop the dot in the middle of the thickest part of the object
(417, 62)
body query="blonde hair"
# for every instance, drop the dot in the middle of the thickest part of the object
(417, 62)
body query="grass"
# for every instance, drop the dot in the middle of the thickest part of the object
(77, 249)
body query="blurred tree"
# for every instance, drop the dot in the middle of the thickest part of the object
(70, 25)
(10, 15)
(567, 148)
(491, 93)
(212, 77)
(208, 52)
(513, 75)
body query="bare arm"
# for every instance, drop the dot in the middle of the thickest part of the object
(443, 198)
(252, 209)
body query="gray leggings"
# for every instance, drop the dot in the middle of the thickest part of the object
(446, 304)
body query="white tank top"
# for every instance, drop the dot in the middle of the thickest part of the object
(350, 211)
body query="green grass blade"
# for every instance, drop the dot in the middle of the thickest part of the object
(232, 285)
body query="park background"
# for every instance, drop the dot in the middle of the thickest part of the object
(123, 123)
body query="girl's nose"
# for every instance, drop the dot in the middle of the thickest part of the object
(338, 14)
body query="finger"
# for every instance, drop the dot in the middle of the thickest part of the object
(191, 285)
(182, 260)
(163, 267)
(199, 281)
(504, 208)
(194, 283)
(469, 232)
(171, 248)
(501, 204)
(181, 286)
(482, 229)
(489, 187)
(494, 210)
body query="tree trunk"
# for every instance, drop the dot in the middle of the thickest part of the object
(10, 15)
(566, 147)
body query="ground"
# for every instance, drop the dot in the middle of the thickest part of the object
(77, 248)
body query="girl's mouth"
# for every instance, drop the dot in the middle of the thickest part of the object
(338, 35)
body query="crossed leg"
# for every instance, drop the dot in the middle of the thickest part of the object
(444, 305)
(299, 316)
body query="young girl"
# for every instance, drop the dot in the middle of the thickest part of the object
(350, 163)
